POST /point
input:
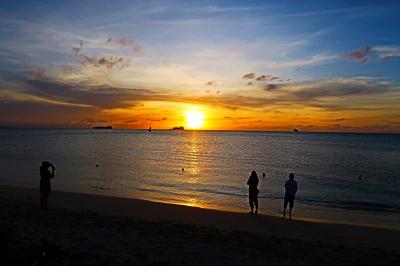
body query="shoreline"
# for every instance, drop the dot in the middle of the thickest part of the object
(262, 225)
(214, 130)
(227, 209)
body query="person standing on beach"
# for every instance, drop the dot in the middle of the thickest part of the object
(253, 191)
(45, 185)
(290, 192)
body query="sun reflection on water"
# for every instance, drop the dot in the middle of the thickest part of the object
(193, 156)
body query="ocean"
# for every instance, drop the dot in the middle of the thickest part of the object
(209, 169)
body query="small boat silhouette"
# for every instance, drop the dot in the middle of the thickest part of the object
(103, 127)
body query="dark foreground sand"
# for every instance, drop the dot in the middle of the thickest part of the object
(82, 229)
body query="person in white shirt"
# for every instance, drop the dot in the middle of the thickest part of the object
(290, 192)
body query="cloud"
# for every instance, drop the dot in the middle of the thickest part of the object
(91, 121)
(249, 76)
(39, 74)
(333, 88)
(78, 49)
(374, 53)
(125, 42)
(262, 78)
(317, 59)
(321, 94)
(212, 83)
(67, 68)
(101, 101)
(21, 97)
(359, 55)
(270, 87)
(105, 62)
(157, 119)
(263, 81)
(387, 52)
(137, 48)
(100, 96)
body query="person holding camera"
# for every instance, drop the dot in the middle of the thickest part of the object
(45, 185)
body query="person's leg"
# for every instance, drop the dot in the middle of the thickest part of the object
(291, 207)
(41, 201)
(46, 195)
(285, 202)
(256, 203)
(251, 203)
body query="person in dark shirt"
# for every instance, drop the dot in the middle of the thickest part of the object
(290, 192)
(253, 191)
(45, 185)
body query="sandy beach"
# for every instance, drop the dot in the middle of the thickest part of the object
(92, 229)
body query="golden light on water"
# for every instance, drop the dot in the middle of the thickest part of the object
(194, 119)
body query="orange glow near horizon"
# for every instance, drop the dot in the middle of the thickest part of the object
(165, 115)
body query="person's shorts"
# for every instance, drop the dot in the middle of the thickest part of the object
(289, 199)
(253, 196)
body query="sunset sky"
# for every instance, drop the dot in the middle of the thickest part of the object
(241, 65)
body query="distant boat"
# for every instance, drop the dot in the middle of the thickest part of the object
(150, 129)
(104, 127)
(295, 130)
(178, 128)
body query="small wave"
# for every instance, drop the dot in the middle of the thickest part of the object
(217, 192)
(354, 205)
(101, 188)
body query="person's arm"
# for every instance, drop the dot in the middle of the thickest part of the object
(248, 182)
(52, 170)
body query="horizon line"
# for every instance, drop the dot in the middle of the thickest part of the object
(227, 130)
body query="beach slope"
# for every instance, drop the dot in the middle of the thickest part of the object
(92, 229)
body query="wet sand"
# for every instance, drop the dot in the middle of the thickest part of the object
(92, 229)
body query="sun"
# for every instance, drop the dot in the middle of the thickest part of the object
(194, 119)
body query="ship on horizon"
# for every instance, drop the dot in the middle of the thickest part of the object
(102, 127)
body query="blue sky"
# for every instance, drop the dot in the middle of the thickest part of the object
(171, 49)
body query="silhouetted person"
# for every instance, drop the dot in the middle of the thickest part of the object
(45, 185)
(253, 191)
(290, 192)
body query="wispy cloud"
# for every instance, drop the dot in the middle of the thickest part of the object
(125, 42)
(314, 60)
(374, 53)
(77, 50)
(21, 97)
(249, 76)
(106, 62)
(311, 90)
(212, 83)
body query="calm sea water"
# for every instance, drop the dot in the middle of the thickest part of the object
(139, 164)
